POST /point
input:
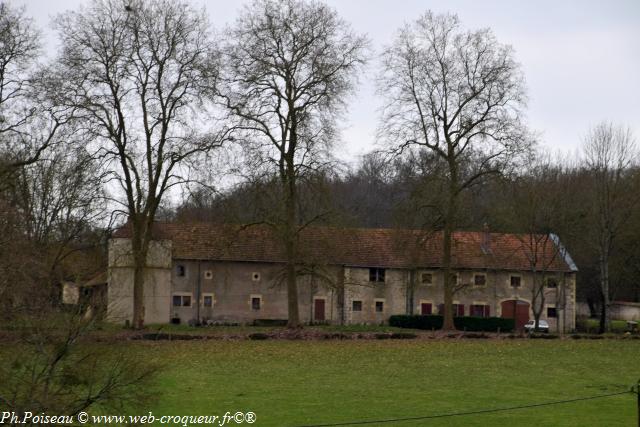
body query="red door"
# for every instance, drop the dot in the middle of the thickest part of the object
(425, 308)
(516, 309)
(318, 310)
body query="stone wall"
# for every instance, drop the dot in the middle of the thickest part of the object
(157, 282)
(233, 285)
(349, 295)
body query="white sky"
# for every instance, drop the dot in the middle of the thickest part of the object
(581, 59)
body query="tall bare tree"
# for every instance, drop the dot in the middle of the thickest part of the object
(458, 94)
(137, 75)
(611, 155)
(291, 65)
(28, 122)
(535, 211)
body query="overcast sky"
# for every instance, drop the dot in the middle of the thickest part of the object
(581, 59)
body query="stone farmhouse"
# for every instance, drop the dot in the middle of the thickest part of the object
(208, 273)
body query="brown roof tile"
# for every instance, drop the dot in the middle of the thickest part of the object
(390, 248)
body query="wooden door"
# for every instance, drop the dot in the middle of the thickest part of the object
(425, 308)
(516, 309)
(318, 310)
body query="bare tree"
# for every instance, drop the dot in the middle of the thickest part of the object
(136, 76)
(59, 369)
(536, 203)
(291, 64)
(458, 94)
(611, 155)
(28, 122)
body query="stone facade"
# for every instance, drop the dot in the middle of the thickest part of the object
(158, 286)
(214, 291)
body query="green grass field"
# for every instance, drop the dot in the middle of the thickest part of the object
(291, 383)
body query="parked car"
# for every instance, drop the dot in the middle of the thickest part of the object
(543, 326)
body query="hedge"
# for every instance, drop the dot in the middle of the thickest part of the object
(473, 324)
(484, 324)
(416, 322)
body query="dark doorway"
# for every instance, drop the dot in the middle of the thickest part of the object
(318, 312)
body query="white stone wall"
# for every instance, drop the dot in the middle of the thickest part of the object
(157, 282)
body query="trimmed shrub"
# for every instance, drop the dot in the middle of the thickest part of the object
(416, 322)
(471, 324)
(484, 324)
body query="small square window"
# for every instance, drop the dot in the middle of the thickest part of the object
(177, 301)
(515, 281)
(552, 283)
(376, 274)
(479, 279)
(427, 278)
(255, 303)
(255, 277)
(356, 306)
(552, 312)
(207, 301)
(379, 306)
(181, 300)
(181, 271)
(208, 274)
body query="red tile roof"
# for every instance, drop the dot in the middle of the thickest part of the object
(365, 247)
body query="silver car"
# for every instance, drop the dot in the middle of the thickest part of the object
(543, 326)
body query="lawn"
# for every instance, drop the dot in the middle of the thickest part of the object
(292, 383)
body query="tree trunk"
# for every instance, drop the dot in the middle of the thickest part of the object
(140, 239)
(605, 322)
(538, 300)
(293, 320)
(449, 224)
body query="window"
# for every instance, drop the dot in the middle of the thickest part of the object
(256, 302)
(356, 306)
(426, 308)
(255, 276)
(181, 270)
(479, 310)
(454, 279)
(552, 312)
(182, 300)
(515, 281)
(427, 278)
(208, 274)
(376, 274)
(207, 300)
(479, 279)
(552, 283)
(379, 306)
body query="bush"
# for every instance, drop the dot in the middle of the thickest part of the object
(416, 322)
(472, 324)
(484, 324)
